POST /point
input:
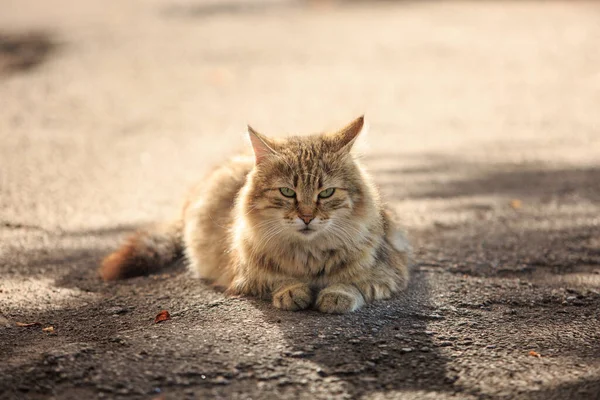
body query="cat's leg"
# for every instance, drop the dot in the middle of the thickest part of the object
(382, 281)
(359, 285)
(339, 298)
(390, 272)
(286, 293)
(377, 289)
(291, 295)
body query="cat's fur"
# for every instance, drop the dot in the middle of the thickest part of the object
(241, 233)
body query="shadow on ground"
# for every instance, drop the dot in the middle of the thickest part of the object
(210, 9)
(487, 219)
(207, 9)
(70, 257)
(438, 176)
(582, 389)
(385, 347)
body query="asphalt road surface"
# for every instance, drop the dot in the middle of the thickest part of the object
(484, 135)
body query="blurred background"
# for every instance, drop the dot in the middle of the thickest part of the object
(110, 108)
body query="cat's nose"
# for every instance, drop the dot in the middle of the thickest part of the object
(306, 218)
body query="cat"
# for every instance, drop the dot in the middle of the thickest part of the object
(299, 223)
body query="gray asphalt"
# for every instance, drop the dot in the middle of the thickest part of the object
(484, 135)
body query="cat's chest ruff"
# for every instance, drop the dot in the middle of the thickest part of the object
(299, 261)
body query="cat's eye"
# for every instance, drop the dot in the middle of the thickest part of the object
(287, 192)
(327, 193)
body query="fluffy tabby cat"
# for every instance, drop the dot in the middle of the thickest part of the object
(300, 223)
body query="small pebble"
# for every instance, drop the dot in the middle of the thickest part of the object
(117, 310)
(221, 380)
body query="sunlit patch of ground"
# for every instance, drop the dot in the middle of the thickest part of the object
(37, 294)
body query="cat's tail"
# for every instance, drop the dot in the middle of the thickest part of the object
(145, 252)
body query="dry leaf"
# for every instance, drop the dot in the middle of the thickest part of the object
(24, 325)
(49, 329)
(534, 354)
(162, 316)
(516, 204)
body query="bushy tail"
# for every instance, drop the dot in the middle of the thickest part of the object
(145, 252)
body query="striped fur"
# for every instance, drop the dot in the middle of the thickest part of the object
(241, 233)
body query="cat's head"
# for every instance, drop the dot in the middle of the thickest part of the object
(307, 187)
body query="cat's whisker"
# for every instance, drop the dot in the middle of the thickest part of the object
(352, 228)
(266, 239)
(217, 224)
(269, 228)
(251, 209)
(337, 232)
(267, 235)
(263, 224)
(272, 236)
(343, 229)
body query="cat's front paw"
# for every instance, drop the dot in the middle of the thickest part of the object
(292, 297)
(339, 299)
(374, 291)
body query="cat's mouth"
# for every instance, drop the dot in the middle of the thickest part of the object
(306, 231)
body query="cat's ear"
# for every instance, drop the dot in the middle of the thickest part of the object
(343, 139)
(261, 145)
